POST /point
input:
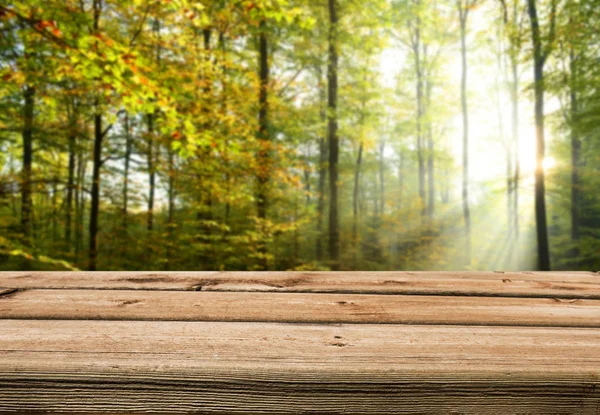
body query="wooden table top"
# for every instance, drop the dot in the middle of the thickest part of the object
(298, 342)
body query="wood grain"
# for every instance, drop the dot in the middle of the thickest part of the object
(338, 343)
(298, 308)
(508, 284)
(175, 367)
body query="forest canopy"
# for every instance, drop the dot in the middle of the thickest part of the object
(299, 134)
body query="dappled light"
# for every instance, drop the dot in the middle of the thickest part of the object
(299, 135)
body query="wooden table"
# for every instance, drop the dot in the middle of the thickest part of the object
(359, 342)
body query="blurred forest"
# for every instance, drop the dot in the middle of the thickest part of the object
(299, 134)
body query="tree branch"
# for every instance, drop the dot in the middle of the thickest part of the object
(288, 83)
(552, 34)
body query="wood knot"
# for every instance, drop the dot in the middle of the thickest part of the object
(129, 302)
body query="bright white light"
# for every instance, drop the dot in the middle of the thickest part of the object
(549, 163)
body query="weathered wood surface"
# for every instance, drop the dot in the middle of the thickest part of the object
(298, 308)
(352, 343)
(511, 284)
(254, 367)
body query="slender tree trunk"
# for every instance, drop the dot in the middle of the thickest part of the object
(516, 158)
(296, 239)
(382, 178)
(206, 259)
(539, 58)
(514, 94)
(170, 206)
(95, 196)
(54, 201)
(575, 152)
(151, 153)
(307, 186)
(323, 155)
(79, 205)
(420, 112)
(12, 174)
(127, 162)
(509, 145)
(332, 138)
(514, 146)
(151, 174)
(463, 13)
(27, 135)
(97, 161)
(506, 253)
(263, 136)
(401, 180)
(70, 188)
(446, 187)
(516, 164)
(226, 160)
(509, 170)
(207, 34)
(430, 156)
(355, 203)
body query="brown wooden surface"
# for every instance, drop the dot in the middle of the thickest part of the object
(298, 308)
(352, 343)
(512, 284)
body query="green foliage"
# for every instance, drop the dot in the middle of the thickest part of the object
(177, 84)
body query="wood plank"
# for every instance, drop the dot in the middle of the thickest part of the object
(297, 307)
(175, 367)
(508, 284)
(103, 280)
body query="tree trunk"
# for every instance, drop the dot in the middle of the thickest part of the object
(539, 58)
(401, 179)
(517, 163)
(420, 112)
(430, 155)
(97, 161)
(355, 203)
(263, 137)
(151, 155)
(27, 135)
(13, 199)
(382, 178)
(513, 163)
(505, 254)
(54, 201)
(95, 197)
(296, 239)
(332, 138)
(323, 155)
(127, 161)
(170, 206)
(151, 174)
(463, 13)
(515, 133)
(79, 205)
(204, 216)
(575, 152)
(307, 186)
(70, 187)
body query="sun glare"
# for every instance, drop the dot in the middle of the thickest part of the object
(549, 163)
